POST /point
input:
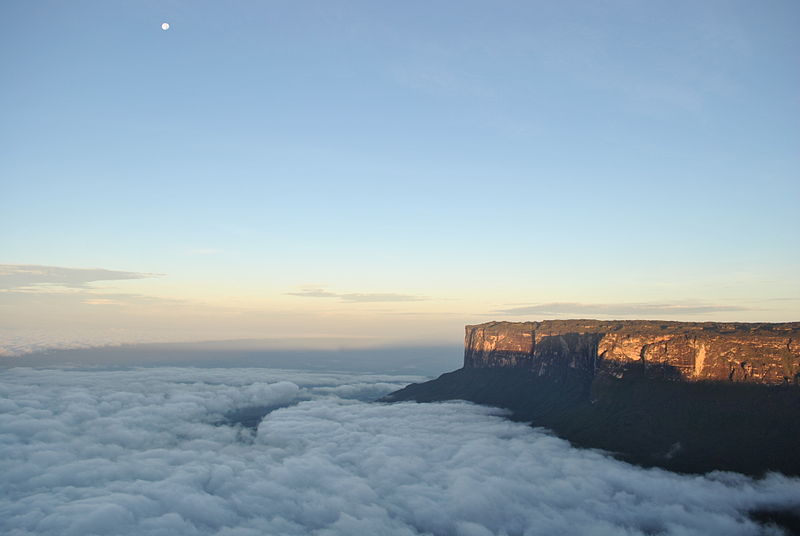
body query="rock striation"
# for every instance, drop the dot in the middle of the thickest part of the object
(754, 353)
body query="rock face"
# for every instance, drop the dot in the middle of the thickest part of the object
(753, 353)
(690, 397)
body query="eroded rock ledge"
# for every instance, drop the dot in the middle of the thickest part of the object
(755, 353)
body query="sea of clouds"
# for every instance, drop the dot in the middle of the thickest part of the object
(19, 344)
(144, 452)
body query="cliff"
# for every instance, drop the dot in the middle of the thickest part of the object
(689, 397)
(756, 353)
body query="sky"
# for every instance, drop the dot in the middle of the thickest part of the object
(386, 172)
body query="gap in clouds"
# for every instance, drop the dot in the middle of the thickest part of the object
(251, 416)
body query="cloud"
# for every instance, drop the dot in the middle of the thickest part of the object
(314, 293)
(47, 340)
(21, 276)
(646, 309)
(138, 452)
(356, 297)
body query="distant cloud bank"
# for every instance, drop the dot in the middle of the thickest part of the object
(20, 343)
(626, 309)
(146, 452)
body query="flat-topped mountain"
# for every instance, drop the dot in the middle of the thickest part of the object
(757, 353)
(692, 397)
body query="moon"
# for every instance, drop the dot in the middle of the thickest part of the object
(165, 26)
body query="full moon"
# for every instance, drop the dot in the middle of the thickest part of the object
(165, 26)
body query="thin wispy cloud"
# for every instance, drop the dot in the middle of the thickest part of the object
(575, 308)
(65, 291)
(21, 276)
(357, 297)
(124, 299)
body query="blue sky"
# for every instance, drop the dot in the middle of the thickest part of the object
(437, 162)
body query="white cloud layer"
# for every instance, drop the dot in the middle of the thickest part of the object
(17, 343)
(138, 452)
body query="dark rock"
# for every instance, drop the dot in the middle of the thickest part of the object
(688, 397)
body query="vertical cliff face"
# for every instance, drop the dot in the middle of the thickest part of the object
(600, 384)
(527, 345)
(754, 353)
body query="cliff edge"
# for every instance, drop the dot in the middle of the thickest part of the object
(754, 353)
(689, 397)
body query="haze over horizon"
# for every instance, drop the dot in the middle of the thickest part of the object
(381, 173)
